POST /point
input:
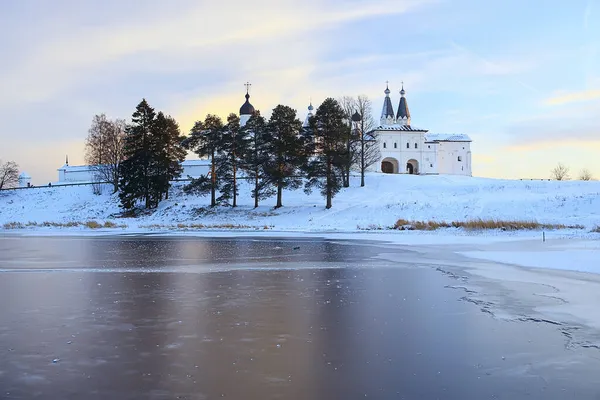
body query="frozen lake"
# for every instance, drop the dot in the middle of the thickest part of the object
(192, 318)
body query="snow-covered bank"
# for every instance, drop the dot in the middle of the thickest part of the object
(557, 282)
(384, 200)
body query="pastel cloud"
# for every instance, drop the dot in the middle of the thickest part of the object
(66, 60)
(574, 97)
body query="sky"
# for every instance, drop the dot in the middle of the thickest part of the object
(521, 78)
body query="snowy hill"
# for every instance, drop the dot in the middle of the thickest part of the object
(384, 200)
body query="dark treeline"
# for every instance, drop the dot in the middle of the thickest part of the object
(272, 155)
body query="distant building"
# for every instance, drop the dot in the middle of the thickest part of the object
(85, 173)
(24, 180)
(406, 149)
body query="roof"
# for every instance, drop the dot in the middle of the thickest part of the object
(76, 168)
(403, 108)
(388, 109)
(24, 175)
(247, 108)
(447, 137)
(406, 128)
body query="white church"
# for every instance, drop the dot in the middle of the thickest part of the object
(410, 150)
(404, 149)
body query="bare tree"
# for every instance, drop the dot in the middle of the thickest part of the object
(104, 149)
(585, 175)
(9, 174)
(348, 104)
(560, 172)
(366, 142)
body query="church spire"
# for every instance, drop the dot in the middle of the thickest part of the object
(387, 112)
(308, 115)
(403, 116)
(247, 109)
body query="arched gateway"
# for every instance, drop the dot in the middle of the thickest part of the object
(389, 165)
(412, 167)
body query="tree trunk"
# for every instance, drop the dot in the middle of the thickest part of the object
(348, 161)
(256, 188)
(234, 186)
(279, 187)
(328, 206)
(279, 194)
(213, 180)
(115, 180)
(362, 162)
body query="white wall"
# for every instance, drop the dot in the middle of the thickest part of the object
(438, 157)
(396, 148)
(84, 173)
(454, 158)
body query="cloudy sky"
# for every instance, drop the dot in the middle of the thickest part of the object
(522, 78)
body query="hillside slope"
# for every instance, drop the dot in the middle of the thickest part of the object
(385, 199)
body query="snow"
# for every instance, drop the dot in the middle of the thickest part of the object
(379, 204)
(561, 284)
(585, 257)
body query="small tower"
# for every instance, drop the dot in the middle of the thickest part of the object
(387, 113)
(308, 115)
(24, 180)
(356, 119)
(247, 109)
(403, 116)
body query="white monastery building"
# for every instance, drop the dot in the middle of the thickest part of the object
(410, 150)
(404, 148)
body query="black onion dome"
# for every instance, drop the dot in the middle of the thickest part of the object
(356, 117)
(247, 108)
(403, 109)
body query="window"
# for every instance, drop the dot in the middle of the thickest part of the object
(431, 165)
(395, 145)
(428, 147)
(408, 145)
(416, 146)
(459, 158)
(384, 145)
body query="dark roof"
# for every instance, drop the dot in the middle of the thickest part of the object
(399, 128)
(403, 108)
(446, 137)
(388, 109)
(247, 108)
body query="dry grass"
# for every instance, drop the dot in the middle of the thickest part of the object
(13, 225)
(93, 225)
(480, 224)
(188, 227)
(70, 224)
(371, 227)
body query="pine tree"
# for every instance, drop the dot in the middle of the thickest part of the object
(256, 156)
(204, 140)
(328, 132)
(134, 171)
(348, 105)
(168, 154)
(232, 146)
(285, 151)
